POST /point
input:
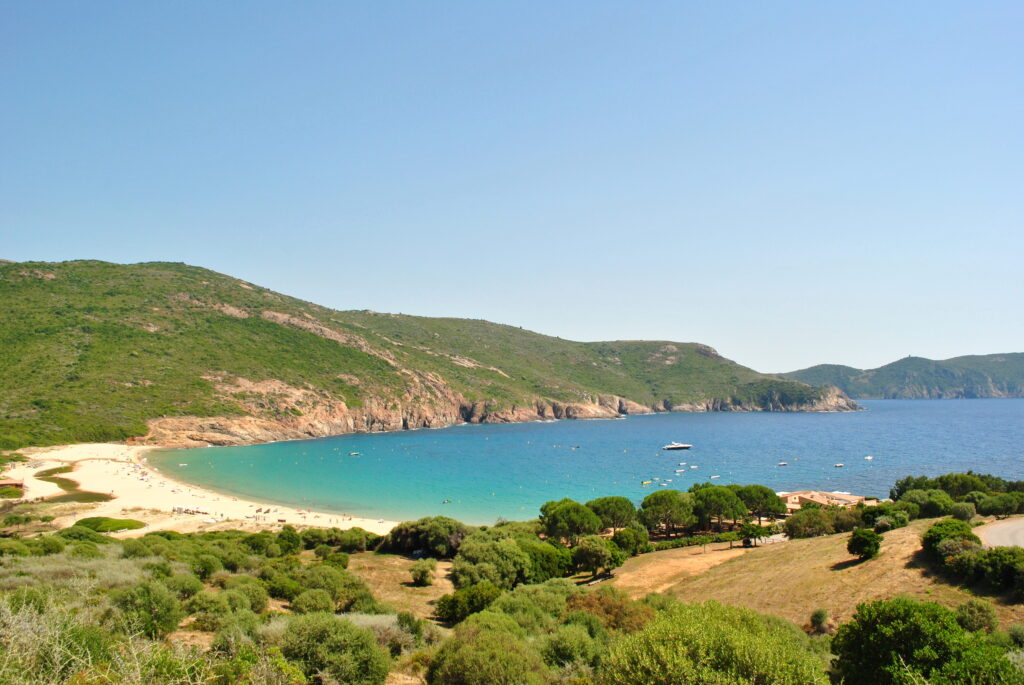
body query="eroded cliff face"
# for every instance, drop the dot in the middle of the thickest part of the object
(277, 411)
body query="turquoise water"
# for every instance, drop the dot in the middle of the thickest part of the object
(508, 470)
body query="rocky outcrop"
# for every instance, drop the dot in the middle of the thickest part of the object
(277, 411)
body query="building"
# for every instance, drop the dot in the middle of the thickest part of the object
(795, 500)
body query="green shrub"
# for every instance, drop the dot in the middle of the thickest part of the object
(713, 643)
(569, 644)
(322, 642)
(85, 550)
(281, 586)
(487, 657)
(631, 540)
(596, 554)
(150, 607)
(10, 492)
(963, 511)
(977, 614)
(183, 585)
(312, 601)
(819, 621)
(252, 588)
(902, 640)
(455, 607)
(499, 561)
(1016, 632)
(357, 540)
(205, 565)
(949, 529)
(864, 543)
(83, 534)
(435, 536)
(103, 524)
(50, 544)
(807, 523)
(422, 572)
(15, 548)
(322, 551)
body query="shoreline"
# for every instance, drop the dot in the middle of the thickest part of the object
(143, 493)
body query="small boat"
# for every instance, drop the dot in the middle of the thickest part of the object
(446, 501)
(715, 477)
(682, 463)
(676, 446)
(839, 466)
(353, 454)
(783, 463)
(664, 485)
(869, 458)
(646, 482)
(182, 464)
(693, 466)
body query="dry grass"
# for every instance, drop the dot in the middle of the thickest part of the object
(661, 571)
(388, 576)
(793, 579)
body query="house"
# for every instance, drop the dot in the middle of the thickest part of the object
(795, 500)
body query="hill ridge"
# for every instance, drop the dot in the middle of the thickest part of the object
(171, 354)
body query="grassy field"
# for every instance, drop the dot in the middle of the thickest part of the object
(90, 351)
(389, 579)
(794, 578)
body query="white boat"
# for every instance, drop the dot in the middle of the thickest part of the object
(715, 477)
(677, 446)
(693, 466)
(682, 463)
(839, 466)
(353, 454)
(782, 463)
(182, 464)
(869, 458)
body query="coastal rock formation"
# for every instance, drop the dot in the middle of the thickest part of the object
(282, 412)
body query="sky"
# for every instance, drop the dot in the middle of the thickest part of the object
(792, 183)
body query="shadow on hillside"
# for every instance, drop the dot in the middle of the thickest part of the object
(849, 563)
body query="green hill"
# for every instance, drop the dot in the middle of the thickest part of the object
(990, 375)
(93, 351)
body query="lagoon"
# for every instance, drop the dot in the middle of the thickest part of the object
(508, 470)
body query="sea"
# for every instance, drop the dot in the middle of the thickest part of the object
(483, 473)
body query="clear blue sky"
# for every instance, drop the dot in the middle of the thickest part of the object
(791, 183)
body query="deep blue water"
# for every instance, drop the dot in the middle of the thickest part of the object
(509, 470)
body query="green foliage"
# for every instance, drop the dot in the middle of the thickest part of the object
(483, 558)
(977, 614)
(324, 643)
(102, 524)
(83, 534)
(1001, 505)
(569, 644)
(10, 492)
(567, 519)
(312, 601)
(932, 503)
(963, 511)
(900, 640)
(864, 543)
(423, 572)
(716, 502)
(613, 609)
(712, 643)
(150, 607)
(183, 585)
(596, 554)
(481, 656)
(948, 529)
(456, 606)
(547, 560)
(761, 501)
(667, 510)
(356, 540)
(632, 540)
(435, 536)
(614, 512)
(807, 523)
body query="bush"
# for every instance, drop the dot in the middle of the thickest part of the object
(102, 524)
(819, 621)
(423, 572)
(1016, 632)
(253, 589)
(632, 540)
(864, 543)
(313, 601)
(455, 607)
(977, 614)
(808, 523)
(205, 565)
(615, 611)
(499, 561)
(486, 657)
(85, 550)
(949, 529)
(183, 585)
(595, 554)
(150, 607)
(569, 644)
(322, 642)
(963, 511)
(713, 643)
(83, 534)
(436, 536)
(903, 640)
(356, 540)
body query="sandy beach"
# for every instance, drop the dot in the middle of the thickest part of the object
(140, 492)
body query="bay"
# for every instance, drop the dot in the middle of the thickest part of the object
(508, 470)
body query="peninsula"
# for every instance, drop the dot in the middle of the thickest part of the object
(174, 355)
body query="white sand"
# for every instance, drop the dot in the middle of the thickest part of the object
(142, 493)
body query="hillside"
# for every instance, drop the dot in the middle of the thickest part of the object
(991, 375)
(178, 355)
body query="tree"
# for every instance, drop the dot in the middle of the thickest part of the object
(761, 501)
(717, 502)
(480, 656)
(325, 643)
(595, 554)
(667, 509)
(614, 512)
(964, 511)
(754, 532)
(902, 640)
(570, 520)
(947, 529)
(864, 543)
(456, 606)
(632, 540)
(999, 506)
(501, 562)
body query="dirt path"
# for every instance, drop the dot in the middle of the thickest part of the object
(1008, 533)
(659, 571)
